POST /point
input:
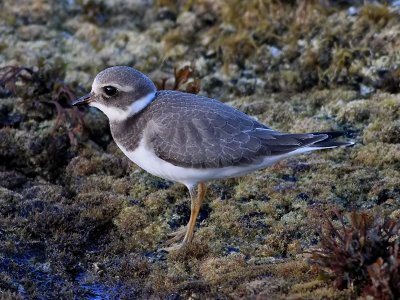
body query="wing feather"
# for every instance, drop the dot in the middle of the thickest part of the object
(210, 134)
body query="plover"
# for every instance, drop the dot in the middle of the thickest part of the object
(189, 138)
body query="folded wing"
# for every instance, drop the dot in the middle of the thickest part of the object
(212, 135)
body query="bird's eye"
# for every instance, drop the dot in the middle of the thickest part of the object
(110, 90)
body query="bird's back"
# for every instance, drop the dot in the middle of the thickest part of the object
(199, 132)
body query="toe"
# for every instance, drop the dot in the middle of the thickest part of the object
(174, 247)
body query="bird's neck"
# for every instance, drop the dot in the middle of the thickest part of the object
(129, 132)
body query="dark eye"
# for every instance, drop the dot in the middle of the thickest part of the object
(110, 90)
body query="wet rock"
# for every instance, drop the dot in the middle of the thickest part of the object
(11, 151)
(204, 212)
(11, 120)
(388, 80)
(31, 207)
(165, 13)
(32, 32)
(303, 196)
(188, 22)
(99, 219)
(366, 90)
(231, 250)
(9, 201)
(44, 192)
(98, 126)
(254, 220)
(275, 52)
(180, 216)
(157, 256)
(289, 178)
(12, 180)
(246, 87)
(224, 195)
(173, 296)
(352, 11)
(213, 85)
(4, 92)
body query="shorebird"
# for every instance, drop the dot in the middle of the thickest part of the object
(189, 138)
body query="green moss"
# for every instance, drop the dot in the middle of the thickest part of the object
(376, 14)
(379, 155)
(354, 112)
(341, 61)
(131, 219)
(215, 269)
(87, 208)
(392, 107)
(324, 293)
(382, 130)
(173, 38)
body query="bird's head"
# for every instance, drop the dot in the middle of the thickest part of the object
(119, 92)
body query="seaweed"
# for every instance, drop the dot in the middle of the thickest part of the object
(94, 11)
(376, 14)
(385, 276)
(360, 253)
(85, 222)
(389, 80)
(183, 81)
(45, 86)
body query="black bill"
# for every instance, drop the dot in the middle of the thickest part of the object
(83, 100)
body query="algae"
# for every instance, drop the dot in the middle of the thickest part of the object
(79, 220)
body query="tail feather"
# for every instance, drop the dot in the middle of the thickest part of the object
(331, 134)
(330, 141)
(315, 139)
(279, 143)
(332, 144)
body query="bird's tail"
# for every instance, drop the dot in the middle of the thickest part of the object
(279, 143)
(330, 140)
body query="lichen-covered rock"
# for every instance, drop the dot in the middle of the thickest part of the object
(77, 218)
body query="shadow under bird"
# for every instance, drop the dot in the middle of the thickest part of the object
(189, 138)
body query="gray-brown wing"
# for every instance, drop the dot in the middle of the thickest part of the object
(203, 133)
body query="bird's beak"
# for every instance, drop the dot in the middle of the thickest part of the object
(83, 100)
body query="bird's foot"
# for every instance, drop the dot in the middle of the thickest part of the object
(176, 236)
(186, 233)
(175, 247)
(174, 244)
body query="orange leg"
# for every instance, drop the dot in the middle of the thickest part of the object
(196, 202)
(195, 209)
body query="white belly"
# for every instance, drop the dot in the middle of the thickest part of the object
(149, 161)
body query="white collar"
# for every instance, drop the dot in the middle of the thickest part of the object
(118, 114)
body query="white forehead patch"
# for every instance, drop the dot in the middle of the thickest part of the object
(125, 88)
(116, 114)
